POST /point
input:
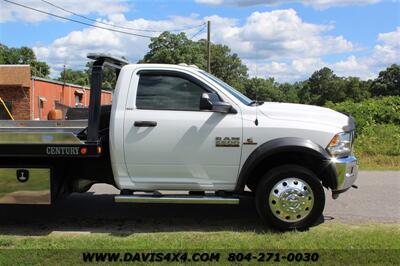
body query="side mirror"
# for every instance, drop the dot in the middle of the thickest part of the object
(211, 101)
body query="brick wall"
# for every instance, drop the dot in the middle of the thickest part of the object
(15, 75)
(53, 91)
(20, 100)
(24, 93)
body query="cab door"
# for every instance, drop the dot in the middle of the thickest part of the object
(170, 143)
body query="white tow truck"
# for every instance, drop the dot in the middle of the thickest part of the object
(179, 128)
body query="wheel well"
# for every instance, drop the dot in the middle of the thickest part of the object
(312, 162)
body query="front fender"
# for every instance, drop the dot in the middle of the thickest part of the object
(286, 145)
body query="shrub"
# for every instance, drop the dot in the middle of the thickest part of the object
(383, 110)
(379, 140)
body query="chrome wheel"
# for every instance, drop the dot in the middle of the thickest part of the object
(291, 199)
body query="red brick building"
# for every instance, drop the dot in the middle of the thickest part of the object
(15, 82)
(32, 97)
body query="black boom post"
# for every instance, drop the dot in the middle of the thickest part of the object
(95, 100)
(101, 61)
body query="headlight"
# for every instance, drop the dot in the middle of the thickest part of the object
(341, 145)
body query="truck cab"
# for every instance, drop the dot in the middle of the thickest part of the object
(178, 128)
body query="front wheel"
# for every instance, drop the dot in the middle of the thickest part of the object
(290, 197)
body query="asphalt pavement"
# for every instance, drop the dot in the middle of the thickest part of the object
(375, 201)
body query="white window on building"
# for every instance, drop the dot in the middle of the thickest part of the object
(79, 98)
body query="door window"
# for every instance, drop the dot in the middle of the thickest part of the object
(166, 92)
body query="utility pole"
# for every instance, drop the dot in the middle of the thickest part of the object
(65, 77)
(65, 72)
(209, 46)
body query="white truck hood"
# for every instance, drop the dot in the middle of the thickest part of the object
(304, 113)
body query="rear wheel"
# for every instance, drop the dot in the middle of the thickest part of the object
(290, 197)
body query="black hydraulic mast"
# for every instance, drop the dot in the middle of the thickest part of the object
(101, 61)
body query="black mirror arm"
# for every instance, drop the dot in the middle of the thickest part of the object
(211, 102)
(233, 110)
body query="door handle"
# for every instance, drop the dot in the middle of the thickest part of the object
(145, 123)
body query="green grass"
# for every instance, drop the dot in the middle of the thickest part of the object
(335, 242)
(378, 162)
(378, 147)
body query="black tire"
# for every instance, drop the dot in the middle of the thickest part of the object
(275, 178)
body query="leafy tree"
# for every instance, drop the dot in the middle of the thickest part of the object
(109, 76)
(323, 86)
(356, 89)
(290, 92)
(40, 69)
(224, 64)
(172, 48)
(74, 76)
(3, 53)
(24, 55)
(262, 89)
(82, 77)
(388, 82)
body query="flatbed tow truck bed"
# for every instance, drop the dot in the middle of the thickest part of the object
(30, 132)
(45, 160)
(41, 125)
(58, 139)
(45, 139)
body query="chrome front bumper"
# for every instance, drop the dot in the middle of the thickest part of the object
(346, 173)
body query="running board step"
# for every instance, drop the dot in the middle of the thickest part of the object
(175, 199)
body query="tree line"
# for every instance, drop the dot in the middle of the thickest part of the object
(322, 87)
(23, 55)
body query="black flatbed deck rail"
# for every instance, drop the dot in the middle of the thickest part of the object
(79, 150)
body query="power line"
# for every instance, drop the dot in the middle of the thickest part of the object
(76, 21)
(197, 33)
(117, 26)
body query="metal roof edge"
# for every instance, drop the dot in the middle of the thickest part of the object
(67, 84)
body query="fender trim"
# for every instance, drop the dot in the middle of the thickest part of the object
(280, 145)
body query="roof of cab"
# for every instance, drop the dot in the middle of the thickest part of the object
(190, 68)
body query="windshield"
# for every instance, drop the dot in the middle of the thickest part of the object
(230, 89)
